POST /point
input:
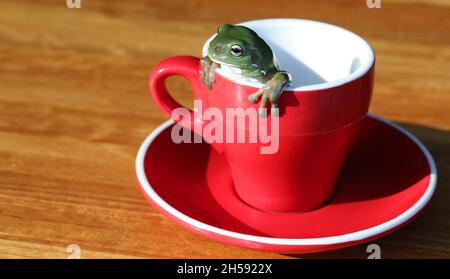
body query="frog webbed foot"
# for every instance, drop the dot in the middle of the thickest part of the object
(208, 71)
(270, 92)
(262, 94)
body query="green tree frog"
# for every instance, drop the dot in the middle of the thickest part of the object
(241, 53)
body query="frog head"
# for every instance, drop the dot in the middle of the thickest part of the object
(240, 47)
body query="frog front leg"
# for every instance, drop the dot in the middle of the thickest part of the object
(208, 71)
(271, 91)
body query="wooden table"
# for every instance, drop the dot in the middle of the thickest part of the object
(74, 108)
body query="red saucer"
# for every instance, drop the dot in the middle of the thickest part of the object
(388, 178)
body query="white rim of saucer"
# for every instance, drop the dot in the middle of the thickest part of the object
(350, 237)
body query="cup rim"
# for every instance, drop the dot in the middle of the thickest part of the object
(361, 71)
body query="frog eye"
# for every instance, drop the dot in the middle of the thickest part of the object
(236, 50)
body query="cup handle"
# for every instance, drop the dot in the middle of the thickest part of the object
(185, 66)
(188, 67)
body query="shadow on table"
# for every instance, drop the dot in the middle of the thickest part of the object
(427, 236)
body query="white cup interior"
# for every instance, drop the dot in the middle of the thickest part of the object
(317, 55)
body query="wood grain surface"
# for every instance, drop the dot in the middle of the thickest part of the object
(74, 108)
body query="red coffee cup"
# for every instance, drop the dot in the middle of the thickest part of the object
(332, 73)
